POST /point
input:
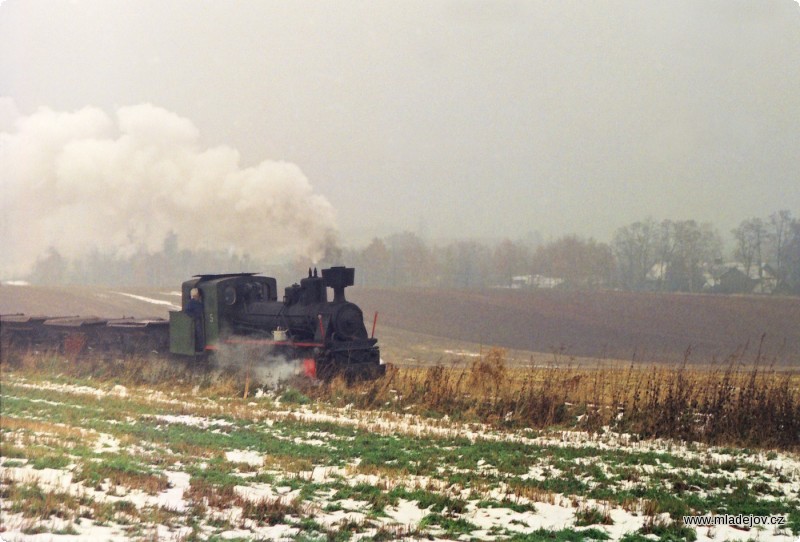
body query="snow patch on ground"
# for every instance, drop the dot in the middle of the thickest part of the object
(405, 516)
(196, 421)
(245, 456)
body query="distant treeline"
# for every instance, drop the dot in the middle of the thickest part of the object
(669, 255)
(168, 267)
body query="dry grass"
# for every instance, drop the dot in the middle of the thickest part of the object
(724, 404)
(729, 403)
(156, 372)
(39, 427)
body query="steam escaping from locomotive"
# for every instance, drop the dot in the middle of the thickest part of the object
(81, 181)
(264, 368)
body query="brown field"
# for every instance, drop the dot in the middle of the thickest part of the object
(86, 301)
(598, 325)
(425, 326)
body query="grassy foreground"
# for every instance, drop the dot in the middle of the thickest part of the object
(728, 403)
(139, 449)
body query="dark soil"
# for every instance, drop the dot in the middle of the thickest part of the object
(605, 324)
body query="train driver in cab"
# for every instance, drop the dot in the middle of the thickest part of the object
(195, 309)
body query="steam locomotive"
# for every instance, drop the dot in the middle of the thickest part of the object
(240, 313)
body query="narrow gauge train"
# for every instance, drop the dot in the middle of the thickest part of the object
(240, 313)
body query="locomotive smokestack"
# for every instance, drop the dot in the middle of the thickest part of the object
(339, 278)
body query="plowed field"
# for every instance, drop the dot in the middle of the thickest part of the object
(616, 325)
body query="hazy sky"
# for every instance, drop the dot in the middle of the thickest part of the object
(469, 118)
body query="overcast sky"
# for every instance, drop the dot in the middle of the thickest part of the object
(461, 118)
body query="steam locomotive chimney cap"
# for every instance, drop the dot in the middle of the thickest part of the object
(339, 278)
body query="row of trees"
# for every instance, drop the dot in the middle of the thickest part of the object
(670, 254)
(667, 255)
(167, 267)
(404, 259)
(680, 252)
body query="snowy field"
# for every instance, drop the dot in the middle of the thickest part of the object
(83, 460)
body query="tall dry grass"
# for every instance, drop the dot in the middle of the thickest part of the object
(148, 370)
(728, 403)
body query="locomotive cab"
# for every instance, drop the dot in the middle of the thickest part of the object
(221, 296)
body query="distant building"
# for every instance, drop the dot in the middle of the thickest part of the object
(734, 281)
(766, 281)
(731, 278)
(521, 281)
(535, 281)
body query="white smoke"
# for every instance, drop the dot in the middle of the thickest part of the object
(82, 180)
(263, 367)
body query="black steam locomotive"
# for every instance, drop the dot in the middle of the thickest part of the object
(240, 313)
(243, 309)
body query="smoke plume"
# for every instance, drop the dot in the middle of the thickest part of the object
(82, 180)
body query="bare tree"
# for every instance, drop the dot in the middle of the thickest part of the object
(467, 264)
(779, 234)
(509, 259)
(635, 248)
(750, 236)
(410, 260)
(792, 260)
(684, 246)
(665, 248)
(580, 262)
(375, 262)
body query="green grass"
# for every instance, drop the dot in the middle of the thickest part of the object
(121, 469)
(217, 473)
(376, 497)
(450, 525)
(665, 482)
(506, 503)
(564, 535)
(793, 521)
(50, 462)
(590, 515)
(667, 531)
(32, 501)
(292, 395)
